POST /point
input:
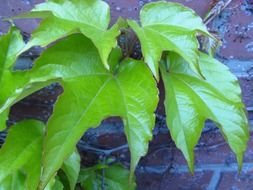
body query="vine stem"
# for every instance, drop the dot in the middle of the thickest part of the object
(103, 174)
(86, 147)
(216, 10)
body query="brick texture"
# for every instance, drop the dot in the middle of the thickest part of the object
(164, 167)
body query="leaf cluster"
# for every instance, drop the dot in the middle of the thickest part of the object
(83, 56)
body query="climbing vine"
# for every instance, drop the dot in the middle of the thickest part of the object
(100, 81)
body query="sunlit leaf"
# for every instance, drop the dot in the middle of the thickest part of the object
(167, 26)
(190, 101)
(22, 150)
(15, 181)
(91, 94)
(62, 18)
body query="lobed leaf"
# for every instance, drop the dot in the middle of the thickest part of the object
(62, 18)
(89, 97)
(190, 101)
(167, 26)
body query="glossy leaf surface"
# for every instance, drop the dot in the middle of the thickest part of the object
(91, 94)
(190, 101)
(64, 17)
(167, 26)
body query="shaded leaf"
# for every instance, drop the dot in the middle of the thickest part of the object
(71, 167)
(54, 184)
(190, 101)
(115, 178)
(167, 26)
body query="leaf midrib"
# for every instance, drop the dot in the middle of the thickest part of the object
(177, 108)
(170, 27)
(224, 99)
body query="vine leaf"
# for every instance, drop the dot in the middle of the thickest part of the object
(190, 101)
(71, 167)
(87, 84)
(167, 26)
(62, 18)
(22, 150)
(55, 184)
(11, 44)
(116, 178)
(15, 85)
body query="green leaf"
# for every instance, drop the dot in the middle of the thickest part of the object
(167, 26)
(22, 149)
(64, 17)
(71, 167)
(3, 118)
(190, 101)
(58, 185)
(11, 43)
(91, 94)
(15, 85)
(114, 58)
(15, 181)
(54, 184)
(115, 178)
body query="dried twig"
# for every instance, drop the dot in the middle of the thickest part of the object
(215, 10)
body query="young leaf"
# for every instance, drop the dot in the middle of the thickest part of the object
(168, 26)
(115, 178)
(71, 167)
(62, 18)
(15, 85)
(22, 149)
(190, 101)
(91, 94)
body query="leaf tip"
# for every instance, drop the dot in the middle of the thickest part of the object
(239, 158)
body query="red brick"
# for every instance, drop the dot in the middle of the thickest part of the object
(169, 181)
(233, 181)
(235, 28)
(10, 8)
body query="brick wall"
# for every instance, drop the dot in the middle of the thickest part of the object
(164, 167)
